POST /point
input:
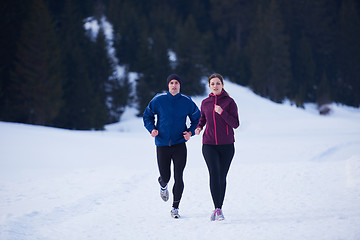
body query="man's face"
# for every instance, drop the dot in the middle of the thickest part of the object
(174, 87)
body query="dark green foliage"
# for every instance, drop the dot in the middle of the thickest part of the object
(117, 97)
(12, 13)
(152, 56)
(99, 73)
(190, 61)
(36, 81)
(235, 65)
(305, 51)
(78, 87)
(92, 97)
(303, 68)
(268, 50)
(323, 91)
(348, 54)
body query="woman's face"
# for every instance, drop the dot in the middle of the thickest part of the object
(216, 86)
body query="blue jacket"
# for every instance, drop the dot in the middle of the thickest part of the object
(171, 112)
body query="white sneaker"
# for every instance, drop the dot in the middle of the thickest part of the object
(164, 193)
(217, 215)
(175, 213)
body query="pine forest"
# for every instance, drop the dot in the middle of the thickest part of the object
(54, 72)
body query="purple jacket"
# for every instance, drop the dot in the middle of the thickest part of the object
(219, 127)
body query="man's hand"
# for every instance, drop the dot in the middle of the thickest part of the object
(154, 133)
(187, 135)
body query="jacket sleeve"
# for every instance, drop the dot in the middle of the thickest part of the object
(194, 118)
(231, 116)
(202, 120)
(149, 117)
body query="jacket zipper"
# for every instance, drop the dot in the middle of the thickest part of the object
(216, 142)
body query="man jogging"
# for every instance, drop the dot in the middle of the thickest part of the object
(170, 132)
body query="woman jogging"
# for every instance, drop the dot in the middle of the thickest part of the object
(220, 115)
(170, 132)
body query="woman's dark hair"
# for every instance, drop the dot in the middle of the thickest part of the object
(217, 75)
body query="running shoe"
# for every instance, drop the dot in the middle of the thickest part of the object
(175, 213)
(164, 193)
(217, 215)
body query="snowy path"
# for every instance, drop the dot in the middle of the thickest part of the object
(117, 198)
(294, 176)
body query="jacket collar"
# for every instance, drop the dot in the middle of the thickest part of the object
(221, 95)
(173, 96)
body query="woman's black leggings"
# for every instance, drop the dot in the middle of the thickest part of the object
(178, 154)
(218, 159)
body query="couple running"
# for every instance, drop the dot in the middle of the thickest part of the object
(220, 115)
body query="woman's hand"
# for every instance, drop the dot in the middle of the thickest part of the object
(197, 131)
(154, 133)
(218, 109)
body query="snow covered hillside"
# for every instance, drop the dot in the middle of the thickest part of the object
(295, 175)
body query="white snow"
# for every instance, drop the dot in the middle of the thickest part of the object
(295, 175)
(172, 56)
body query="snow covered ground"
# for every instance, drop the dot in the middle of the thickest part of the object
(295, 175)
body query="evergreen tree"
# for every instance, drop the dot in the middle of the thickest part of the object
(232, 21)
(312, 30)
(293, 49)
(118, 96)
(323, 92)
(129, 24)
(36, 79)
(156, 67)
(13, 13)
(319, 26)
(269, 54)
(201, 11)
(302, 86)
(235, 65)
(100, 71)
(164, 18)
(78, 87)
(190, 61)
(348, 54)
